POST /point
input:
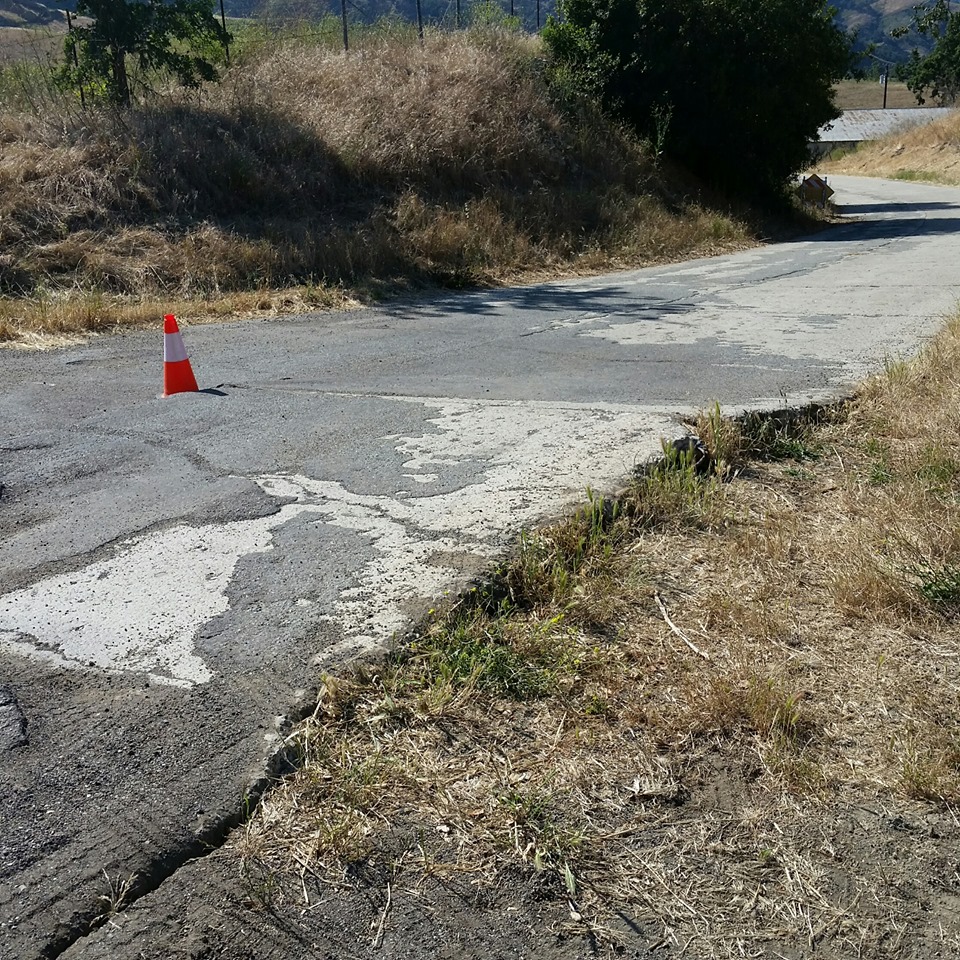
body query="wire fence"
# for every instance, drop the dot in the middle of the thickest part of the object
(531, 14)
(361, 18)
(31, 61)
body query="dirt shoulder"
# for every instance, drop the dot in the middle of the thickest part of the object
(818, 880)
(715, 716)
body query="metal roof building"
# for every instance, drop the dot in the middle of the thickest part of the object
(855, 126)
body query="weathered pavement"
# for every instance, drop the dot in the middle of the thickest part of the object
(175, 574)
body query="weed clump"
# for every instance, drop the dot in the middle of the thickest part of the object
(939, 585)
(674, 494)
(475, 651)
(765, 705)
(574, 566)
(766, 437)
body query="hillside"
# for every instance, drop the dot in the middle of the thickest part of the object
(874, 19)
(395, 168)
(33, 13)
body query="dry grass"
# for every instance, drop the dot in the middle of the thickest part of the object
(868, 95)
(677, 701)
(930, 152)
(49, 319)
(32, 44)
(394, 167)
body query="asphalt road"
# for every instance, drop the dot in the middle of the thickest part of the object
(175, 574)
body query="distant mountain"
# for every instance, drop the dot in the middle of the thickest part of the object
(874, 19)
(32, 13)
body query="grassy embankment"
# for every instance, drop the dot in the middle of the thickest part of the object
(929, 153)
(308, 178)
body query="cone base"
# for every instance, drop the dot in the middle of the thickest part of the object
(178, 378)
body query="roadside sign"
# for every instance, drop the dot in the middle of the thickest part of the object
(815, 189)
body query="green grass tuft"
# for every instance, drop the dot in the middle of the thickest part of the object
(772, 438)
(940, 585)
(474, 651)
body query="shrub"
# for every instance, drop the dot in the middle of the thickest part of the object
(732, 89)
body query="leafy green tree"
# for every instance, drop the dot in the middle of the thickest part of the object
(182, 38)
(936, 72)
(732, 89)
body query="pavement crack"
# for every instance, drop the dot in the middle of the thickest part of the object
(213, 837)
(27, 447)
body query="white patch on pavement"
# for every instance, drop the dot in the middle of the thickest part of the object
(139, 611)
(535, 457)
(800, 314)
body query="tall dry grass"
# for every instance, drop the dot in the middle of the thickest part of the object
(450, 164)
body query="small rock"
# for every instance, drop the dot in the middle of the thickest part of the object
(690, 448)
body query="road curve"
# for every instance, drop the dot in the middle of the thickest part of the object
(176, 573)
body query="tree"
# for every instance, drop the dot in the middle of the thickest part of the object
(732, 89)
(180, 37)
(939, 70)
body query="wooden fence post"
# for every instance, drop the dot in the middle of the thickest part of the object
(223, 23)
(76, 62)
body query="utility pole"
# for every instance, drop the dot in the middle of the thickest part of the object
(888, 65)
(343, 17)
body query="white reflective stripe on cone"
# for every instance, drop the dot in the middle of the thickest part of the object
(173, 349)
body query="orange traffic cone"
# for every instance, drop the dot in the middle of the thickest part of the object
(177, 373)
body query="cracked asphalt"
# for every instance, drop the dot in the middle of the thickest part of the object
(176, 574)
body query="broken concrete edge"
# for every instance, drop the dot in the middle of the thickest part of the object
(13, 724)
(468, 594)
(209, 839)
